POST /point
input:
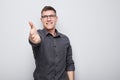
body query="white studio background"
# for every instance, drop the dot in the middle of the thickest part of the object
(93, 27)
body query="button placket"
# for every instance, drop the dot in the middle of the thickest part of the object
(55, 46)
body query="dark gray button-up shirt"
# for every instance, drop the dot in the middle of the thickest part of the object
(53, 57)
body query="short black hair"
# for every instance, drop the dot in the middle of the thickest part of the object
(46, 8)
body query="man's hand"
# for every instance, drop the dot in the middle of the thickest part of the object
(34, 36)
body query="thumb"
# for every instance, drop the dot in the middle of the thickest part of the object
(31, 24)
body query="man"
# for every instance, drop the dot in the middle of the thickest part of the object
(52, 50)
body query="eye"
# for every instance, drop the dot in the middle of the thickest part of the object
(45, 16)
(52, 15)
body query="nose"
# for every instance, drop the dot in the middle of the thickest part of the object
(48, 18)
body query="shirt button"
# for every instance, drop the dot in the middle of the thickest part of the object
(54, 45)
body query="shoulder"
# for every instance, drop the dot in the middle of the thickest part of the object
(65, 39)
(41, 33)
(64, 36)
(39, 30)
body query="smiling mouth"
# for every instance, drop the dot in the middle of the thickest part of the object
(49, 23)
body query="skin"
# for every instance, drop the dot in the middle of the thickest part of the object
(49, 24)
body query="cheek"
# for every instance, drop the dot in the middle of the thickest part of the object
(55, 22)
(43, 21)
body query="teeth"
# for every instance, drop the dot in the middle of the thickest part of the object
(50, 23)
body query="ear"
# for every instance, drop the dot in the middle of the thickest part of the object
(41, 19)
(56, 18)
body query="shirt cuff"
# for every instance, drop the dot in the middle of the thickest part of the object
(34, 45)
(70, 67)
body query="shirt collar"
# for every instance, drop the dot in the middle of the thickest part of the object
(47, 33)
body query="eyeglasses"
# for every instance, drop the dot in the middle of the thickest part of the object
(50, 16)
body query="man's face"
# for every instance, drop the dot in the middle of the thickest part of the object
(49, 19)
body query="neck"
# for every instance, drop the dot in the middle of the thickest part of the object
(52, 31)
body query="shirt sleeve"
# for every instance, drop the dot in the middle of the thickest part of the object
(69, 62)
(34, 45)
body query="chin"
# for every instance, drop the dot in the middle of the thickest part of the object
(50, 28)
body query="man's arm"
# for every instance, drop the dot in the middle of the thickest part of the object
(70, 67)
(70, 75)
